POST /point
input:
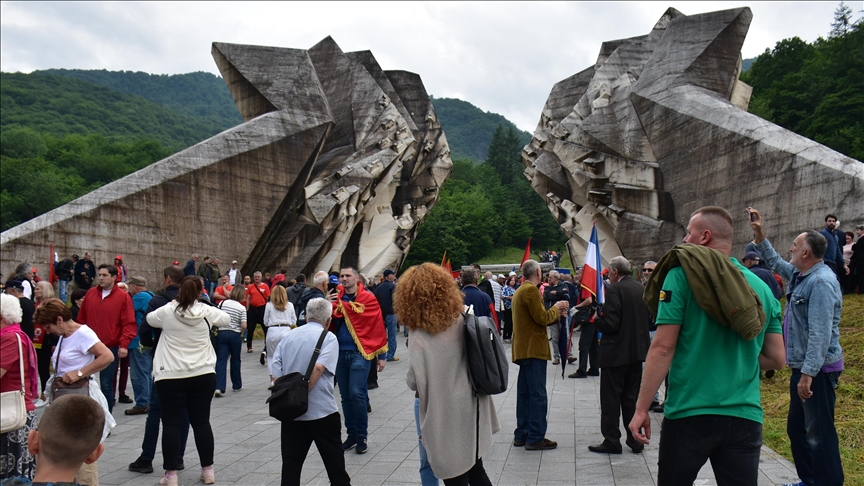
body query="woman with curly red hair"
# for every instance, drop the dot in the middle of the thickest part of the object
(451, 418)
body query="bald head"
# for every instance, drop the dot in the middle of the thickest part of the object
(711, 226)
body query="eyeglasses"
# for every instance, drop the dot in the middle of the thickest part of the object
(647, 270)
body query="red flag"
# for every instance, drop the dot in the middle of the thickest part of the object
(51, 276)
(527, 255)
(448, 266)
(444, 259)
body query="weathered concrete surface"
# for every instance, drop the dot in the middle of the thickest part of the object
(337, 163)
(658, 127)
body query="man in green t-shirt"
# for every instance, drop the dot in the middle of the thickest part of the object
(713, 409)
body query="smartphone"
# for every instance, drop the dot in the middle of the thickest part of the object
(752, 216)
(331, 287)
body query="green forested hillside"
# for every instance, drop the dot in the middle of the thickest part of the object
(469, 129)
(200, 95)
(815, 89)
(60, 106)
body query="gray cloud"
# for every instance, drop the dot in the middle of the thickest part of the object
(503, 57)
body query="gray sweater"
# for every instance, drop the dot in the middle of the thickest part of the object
(438, 372)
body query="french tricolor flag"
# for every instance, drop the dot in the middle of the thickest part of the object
(592, 280)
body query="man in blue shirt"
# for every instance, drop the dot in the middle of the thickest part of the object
(321, 422)
(834, 253)
(812, 335)
(140, 359)
(482, 303)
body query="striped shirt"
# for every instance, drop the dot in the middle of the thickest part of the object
(236, 312)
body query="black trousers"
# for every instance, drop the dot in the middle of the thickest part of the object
(588, 347)
(43, 362)
(194, 396)
(476, 476)
(732, 444)
(297, 437)
(619, 389)
(507, 319)
(255, 316)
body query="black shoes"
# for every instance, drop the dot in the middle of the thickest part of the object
(368, 407)
(635, 446)
(571, 360)
(263, 359)
(372, 386)
(605, 448)
(543, 445)
(362, 446)
(657, 408)
(350, 443)
(125, 399)
(141, 466)
(518, 443)
(593, 372)
(578, 374)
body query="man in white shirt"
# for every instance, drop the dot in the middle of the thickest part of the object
(321, 423)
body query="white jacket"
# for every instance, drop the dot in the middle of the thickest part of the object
(184, 349)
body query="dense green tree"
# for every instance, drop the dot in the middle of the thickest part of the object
(39, 173)
(469, 129)
(815, 90)
(60, 106)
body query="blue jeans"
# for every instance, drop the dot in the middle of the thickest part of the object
(811, 430)
(427, 477)
(531, 401)
(140, 368)
(63, 284)
(151, 428)
(352, 371)
(390, 322)
(228, 343)
(731, 443)
(106, 379)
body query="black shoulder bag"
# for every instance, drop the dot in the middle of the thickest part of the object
(289, 397)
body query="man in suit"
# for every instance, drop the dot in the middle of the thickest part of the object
(623, 348)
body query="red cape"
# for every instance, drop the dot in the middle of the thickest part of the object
(364, 321)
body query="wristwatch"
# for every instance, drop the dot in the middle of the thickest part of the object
(80, 375)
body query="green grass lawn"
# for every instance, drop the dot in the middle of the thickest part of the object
(849, 410)
(514, 255)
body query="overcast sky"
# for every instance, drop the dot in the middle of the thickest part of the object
(502, 57)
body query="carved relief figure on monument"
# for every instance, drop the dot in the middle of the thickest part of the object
(345, 161)
(658, 127)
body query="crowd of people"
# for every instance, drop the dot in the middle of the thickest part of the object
(705, 323)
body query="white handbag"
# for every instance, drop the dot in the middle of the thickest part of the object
(13, 410)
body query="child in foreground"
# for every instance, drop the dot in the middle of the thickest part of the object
(68, 436)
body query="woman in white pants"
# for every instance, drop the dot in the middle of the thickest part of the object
(279, 317)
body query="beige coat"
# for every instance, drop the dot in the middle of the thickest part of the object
(438, 372)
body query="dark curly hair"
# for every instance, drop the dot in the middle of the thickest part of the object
(427, 298)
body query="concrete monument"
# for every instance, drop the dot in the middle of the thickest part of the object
(337, 163)
(658, 127)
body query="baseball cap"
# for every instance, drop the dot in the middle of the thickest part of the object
(136, 281)
(512, 274)
(389, 272)
(233, 262)
(334, 279)
(15, 284)
(751, 255)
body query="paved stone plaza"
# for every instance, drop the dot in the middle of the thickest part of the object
(248, 453)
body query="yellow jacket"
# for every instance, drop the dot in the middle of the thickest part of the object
(530, 319)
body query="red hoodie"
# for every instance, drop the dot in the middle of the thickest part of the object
(112, 319)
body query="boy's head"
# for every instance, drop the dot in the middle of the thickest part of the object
(69, 432)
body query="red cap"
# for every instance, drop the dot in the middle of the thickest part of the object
(118, 257)
(176, 262)
(33, 269)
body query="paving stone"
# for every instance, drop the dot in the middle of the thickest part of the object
(248, 442)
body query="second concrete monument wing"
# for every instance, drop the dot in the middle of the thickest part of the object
(338, 162)
(658, 127)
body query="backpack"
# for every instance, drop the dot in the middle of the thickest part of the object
(487, 360)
